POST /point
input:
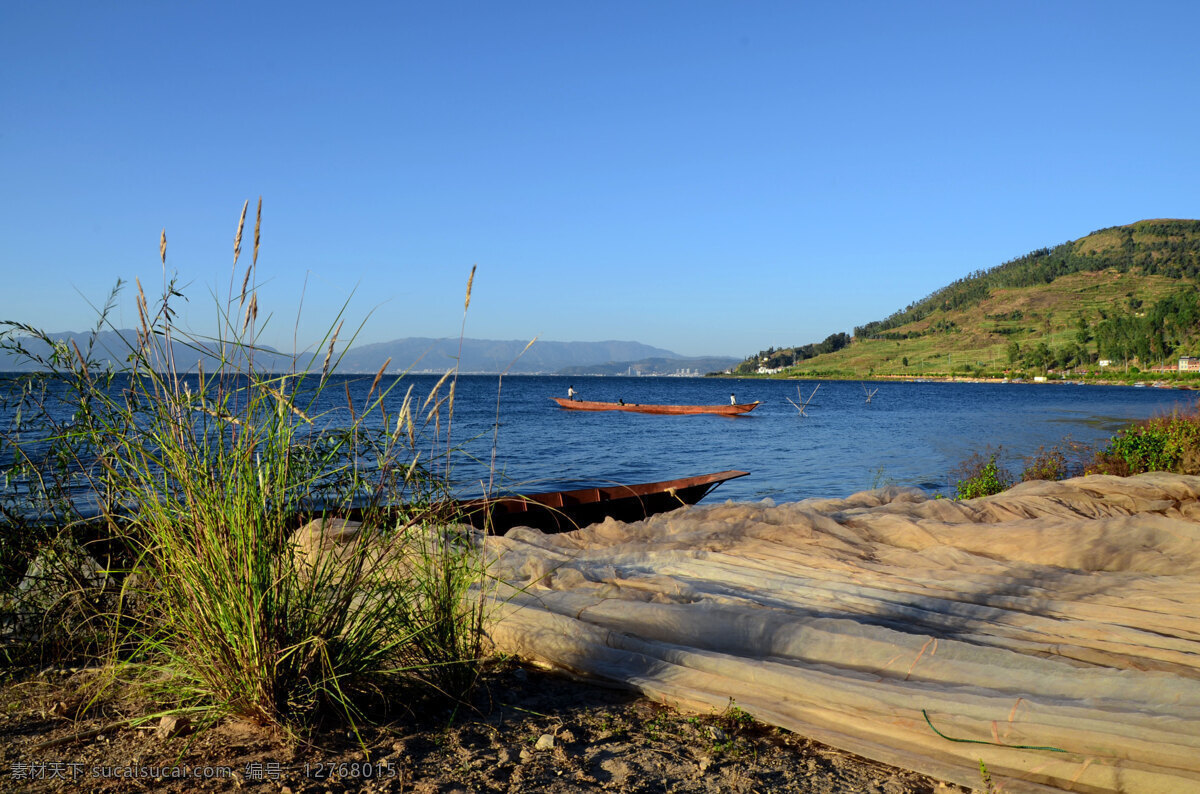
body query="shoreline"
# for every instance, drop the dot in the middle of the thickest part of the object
(1192, 384)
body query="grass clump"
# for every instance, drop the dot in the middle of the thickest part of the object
(200, 478)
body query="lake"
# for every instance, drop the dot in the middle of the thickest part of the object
(908, 434)
(914, 434)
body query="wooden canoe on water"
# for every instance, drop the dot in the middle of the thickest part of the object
(563, 511)
(721, 410)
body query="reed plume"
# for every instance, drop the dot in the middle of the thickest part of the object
(237, 238)
(257, 229)
(378, 376)
(329, 352)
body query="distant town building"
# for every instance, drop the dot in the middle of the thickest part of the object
(1189, 364)
(1104, 362)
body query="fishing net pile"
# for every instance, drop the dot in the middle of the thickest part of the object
(1052, 631)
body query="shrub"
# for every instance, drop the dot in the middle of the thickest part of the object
(982, 477)
(1167, 443)
(1046, 464)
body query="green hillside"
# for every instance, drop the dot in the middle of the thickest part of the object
(1127, 294)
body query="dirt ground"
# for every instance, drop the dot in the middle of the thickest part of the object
(526, 731)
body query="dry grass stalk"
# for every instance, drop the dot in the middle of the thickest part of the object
(143, 309)
(82, 362)
(435, 416)
(436, 388)
(237, 252)
(162, 245)
(329, 352)
(405, 419)
(237, 238)
(470, 281)
(257, 229)
(282, 400)
(378, 376)
(458, 360)
(251, 311)
(224, 416)
(245, 283)
(496, 426)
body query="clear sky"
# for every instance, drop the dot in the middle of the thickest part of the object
(708, 177)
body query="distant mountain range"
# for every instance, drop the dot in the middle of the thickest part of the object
(490, 355)
(423, 354)
(113, 348)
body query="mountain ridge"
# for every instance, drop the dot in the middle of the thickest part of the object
(407, 354)
(1119, 294)
(433, 354)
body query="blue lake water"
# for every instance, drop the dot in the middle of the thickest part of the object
(914, 434)
(908, 434)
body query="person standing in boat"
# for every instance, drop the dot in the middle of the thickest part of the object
(571, 392)
(732, 401)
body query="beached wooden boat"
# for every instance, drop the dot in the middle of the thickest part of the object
(721, 410)
(563, 511)
(552, 511)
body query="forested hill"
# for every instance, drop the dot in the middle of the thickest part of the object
(1123, 296)
(1169, 248)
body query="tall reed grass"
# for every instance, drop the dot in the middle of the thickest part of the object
(202, 479)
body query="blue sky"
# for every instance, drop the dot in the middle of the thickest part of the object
(708, 177)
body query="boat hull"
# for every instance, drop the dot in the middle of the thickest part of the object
(563, 511)
(719, 410)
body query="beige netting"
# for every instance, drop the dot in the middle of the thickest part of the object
(1059, 615)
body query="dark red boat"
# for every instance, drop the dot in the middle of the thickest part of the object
(720, 410)
(563, 511)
